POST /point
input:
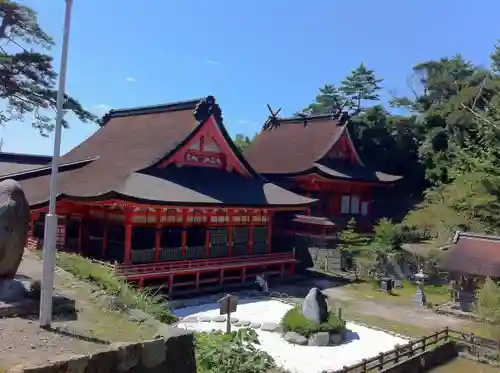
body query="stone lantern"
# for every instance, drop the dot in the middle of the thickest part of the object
(419, 298)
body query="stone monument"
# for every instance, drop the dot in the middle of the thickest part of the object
(14, 225)
(262, 283)
(314, 306)
(420, 298)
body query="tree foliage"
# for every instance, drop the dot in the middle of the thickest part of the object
(27, 76)
(242, 141)
(488, 305)
(217, 352)
(445, 146)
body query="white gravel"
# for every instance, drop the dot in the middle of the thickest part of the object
(362, 342)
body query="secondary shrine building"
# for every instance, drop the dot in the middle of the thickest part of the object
(315, 157)
(163, 192)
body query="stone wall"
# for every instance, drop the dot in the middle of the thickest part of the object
(313, 253)
(329, 260)
(425, 360)
(172, 353)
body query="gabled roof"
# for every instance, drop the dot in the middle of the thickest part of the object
(297, 147)
(17, 162)
(473, 254)
(129, 146)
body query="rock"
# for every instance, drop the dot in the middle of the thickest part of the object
(234, 320)
(336, 338)
(295, 338)
(314, 307)
(244, 323)
(219, 319)
(190, 319)
(255, 325)
(14, 224)
(319, 339)
(137, 315)
(205, 319)
(269, 327)
(11, 291)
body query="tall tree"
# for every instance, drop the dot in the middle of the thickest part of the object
(361, 84)
(495, 59)
(27, 76)
(328, 100)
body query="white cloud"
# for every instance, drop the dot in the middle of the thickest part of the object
(130, 79)
(103, 107)
(212, 62)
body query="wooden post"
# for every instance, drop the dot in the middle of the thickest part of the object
(158, 233)
(197, 283)
(170, 283)
(396, 354)
(381, 360)
(228, 305)
(207, 242)
(127, 258)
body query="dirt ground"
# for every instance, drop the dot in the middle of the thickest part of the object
(95, 327)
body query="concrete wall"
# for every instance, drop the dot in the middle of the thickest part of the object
(174, 353)
(426, 360)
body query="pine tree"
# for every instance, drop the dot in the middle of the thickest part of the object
(329, 99)
(361, 84)
(27, 76)
(495, 59)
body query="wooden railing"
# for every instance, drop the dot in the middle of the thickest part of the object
(137, 269)
(400, 353)
(386, 359)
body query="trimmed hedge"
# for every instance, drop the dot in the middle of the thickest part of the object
(295, 321)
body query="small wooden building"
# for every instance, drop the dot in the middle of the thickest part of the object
(470, 259)
(163, 191)
(316, 157)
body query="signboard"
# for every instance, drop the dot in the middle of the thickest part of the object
(228, 304)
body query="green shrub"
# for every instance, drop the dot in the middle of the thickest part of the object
(295, 321)
(217, 352)
(153, 303)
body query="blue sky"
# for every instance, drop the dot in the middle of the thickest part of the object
(246, 53)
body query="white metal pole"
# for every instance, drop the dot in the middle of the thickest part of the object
(50, 234)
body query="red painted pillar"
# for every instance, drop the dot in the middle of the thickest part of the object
(127, 257)
(105, 235)
(184, 233)
(250, 236)
(269, 230)
(207, 242)
(230, 234)
(157, 239)
(80, 236)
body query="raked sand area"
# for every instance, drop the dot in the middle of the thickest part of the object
(362, 342)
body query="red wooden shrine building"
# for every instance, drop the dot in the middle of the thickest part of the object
(164, 192)
(316, 157)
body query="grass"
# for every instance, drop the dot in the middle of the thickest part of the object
(295, 321)
(436, 294)
(153, 303)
